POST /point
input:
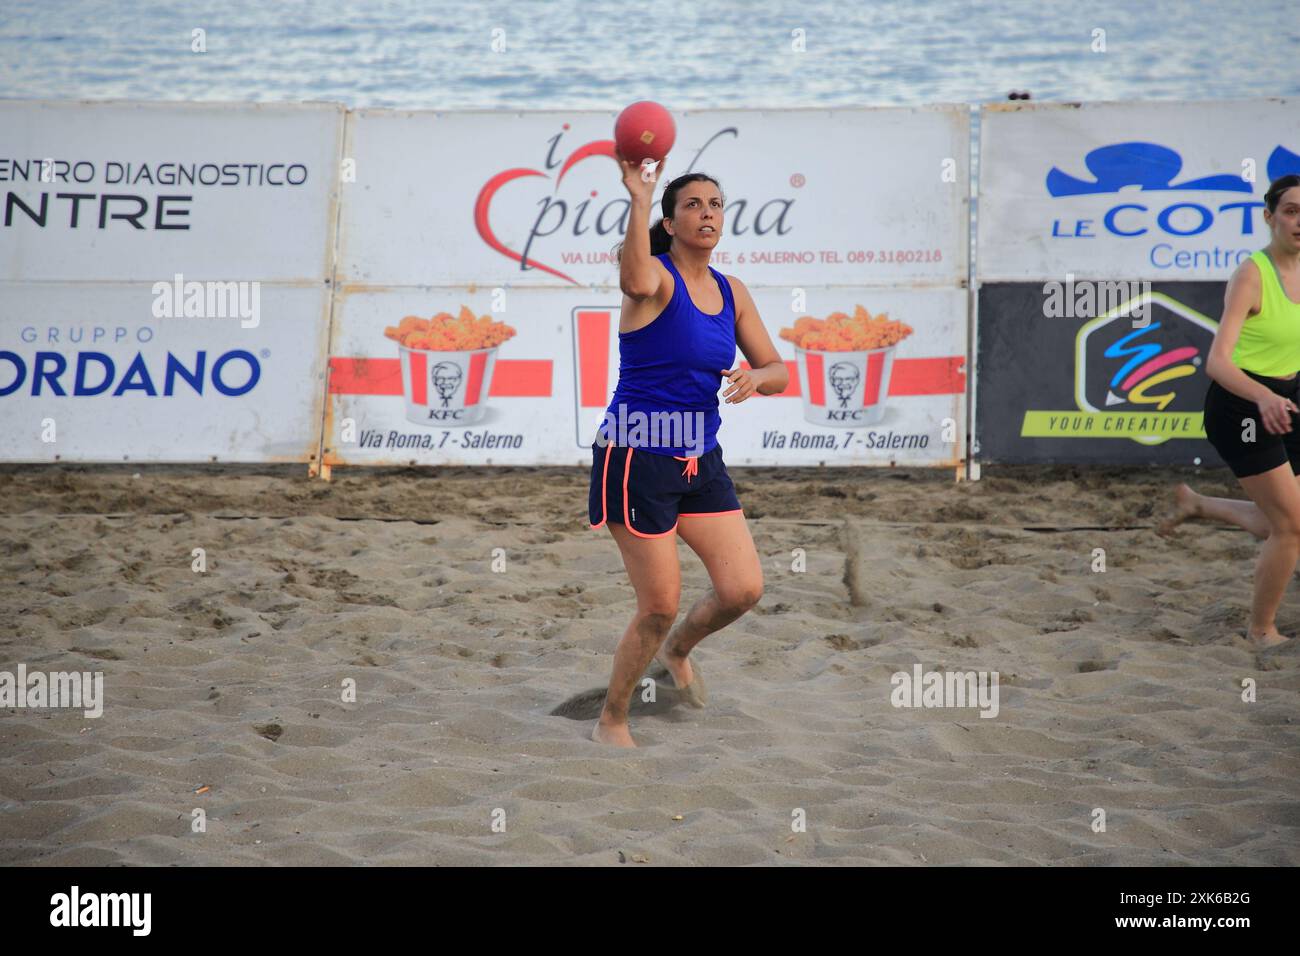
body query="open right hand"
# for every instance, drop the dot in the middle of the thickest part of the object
(1275, 411)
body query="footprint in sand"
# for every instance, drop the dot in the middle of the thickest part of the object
(587, 704)
(271, 732)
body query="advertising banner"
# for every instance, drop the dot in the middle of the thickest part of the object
(502, 269)
(1106, 235)
(88, 372)
(819, 197)
(1167, 192)
(156, 250)
(117, 192)
(165, 276)
(538, 396)
(1120, 387)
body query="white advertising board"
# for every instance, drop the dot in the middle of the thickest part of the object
(819, 197)
(121, 191)
(89, 373)
(165, 276)
(1128, 191)
(538, 397)
(842, 208)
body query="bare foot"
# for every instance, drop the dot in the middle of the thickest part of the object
(1185, 506)
(689, 683)
(679, 667)
(1268, 638)
(616, 735)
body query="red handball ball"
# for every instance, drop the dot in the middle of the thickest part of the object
(644, 130)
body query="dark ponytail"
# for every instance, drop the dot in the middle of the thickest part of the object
(660, 240)
(1277, 188)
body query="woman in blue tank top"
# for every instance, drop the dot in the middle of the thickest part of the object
(657, 471)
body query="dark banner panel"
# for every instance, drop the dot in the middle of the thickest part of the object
(1095, 373)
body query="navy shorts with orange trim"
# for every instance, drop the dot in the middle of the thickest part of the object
(647, 491)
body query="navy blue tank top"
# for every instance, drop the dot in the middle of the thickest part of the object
(674, 365)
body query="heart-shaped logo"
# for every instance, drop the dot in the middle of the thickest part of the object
(483, 204)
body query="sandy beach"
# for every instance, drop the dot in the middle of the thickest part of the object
(1119, 689)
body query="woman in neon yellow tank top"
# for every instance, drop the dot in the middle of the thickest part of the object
(1251, 409)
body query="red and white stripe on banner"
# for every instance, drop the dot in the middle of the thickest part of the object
(596, 362)
(514, 378)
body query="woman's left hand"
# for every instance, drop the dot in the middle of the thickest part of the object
(742, 385)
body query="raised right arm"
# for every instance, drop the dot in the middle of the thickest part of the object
(639, 273)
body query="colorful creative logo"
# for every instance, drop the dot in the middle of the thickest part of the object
(1148, 364)
(1135, 378)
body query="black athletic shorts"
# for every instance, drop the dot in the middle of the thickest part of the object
(647, 491)
(1226, 426)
